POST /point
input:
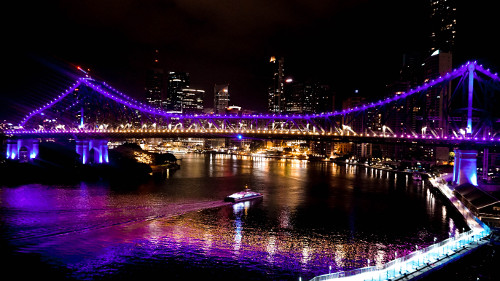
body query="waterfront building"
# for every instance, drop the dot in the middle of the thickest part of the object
(221, 98)
(154, 83)
(321, 149)
(176, 82)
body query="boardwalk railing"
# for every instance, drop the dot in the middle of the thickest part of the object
(412, 262)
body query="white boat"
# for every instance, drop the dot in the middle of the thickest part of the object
(242, 196)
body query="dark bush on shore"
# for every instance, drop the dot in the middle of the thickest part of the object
(58, 162)
(55, 162)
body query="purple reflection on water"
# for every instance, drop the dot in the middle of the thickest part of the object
(300, 228)
(111, 248)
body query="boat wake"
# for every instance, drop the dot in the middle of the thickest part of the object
(59, 222)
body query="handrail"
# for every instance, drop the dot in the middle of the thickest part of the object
(419, 258)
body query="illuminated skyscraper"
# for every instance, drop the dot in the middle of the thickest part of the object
(308, 97)
(299, 98)
(154, 83)
(443, 25)
(192, 100)
(221, 98)
(437, 98)
(443, 14)
(176, 82)
(276, 96)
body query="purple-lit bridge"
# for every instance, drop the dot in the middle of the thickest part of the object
(454, 110)
(457, 110)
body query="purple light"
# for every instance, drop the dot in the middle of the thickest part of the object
(60, 97)
(106, 90)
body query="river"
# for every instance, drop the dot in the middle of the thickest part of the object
(314, 218)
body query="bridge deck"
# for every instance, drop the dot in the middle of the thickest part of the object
(253, 134)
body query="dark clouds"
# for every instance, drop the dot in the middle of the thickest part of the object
(349, 44)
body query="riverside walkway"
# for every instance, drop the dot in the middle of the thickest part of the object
(422, 261)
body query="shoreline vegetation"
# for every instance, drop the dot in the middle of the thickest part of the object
(59, 163)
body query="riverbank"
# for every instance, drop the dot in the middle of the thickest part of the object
(420, 263)
(479, 264)
(59, 163)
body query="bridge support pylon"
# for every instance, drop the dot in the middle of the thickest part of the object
(23, 150)
(92, 151)
(465, 168)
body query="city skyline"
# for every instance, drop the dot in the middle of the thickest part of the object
(352, 61)
(365, 132)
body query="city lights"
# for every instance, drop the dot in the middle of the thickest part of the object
(109, 92)
(366, 135)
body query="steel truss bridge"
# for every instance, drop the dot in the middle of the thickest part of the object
(94, 109)
(91, 112)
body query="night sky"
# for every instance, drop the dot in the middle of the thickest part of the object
(347, 44)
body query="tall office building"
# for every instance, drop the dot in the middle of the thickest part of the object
(443, 31)
(192, 101)
(154, 83)
(276, 96)
(176, 82)
(308, 97)
(443, 14)
(295, 96)
(322, 99)
(437, 98)
(221, 98)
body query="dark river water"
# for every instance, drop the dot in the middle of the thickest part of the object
(314, 217)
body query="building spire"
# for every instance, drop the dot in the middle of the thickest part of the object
(156, 58)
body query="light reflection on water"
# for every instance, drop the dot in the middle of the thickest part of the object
(312, 216)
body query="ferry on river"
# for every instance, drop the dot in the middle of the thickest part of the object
(243, 196)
